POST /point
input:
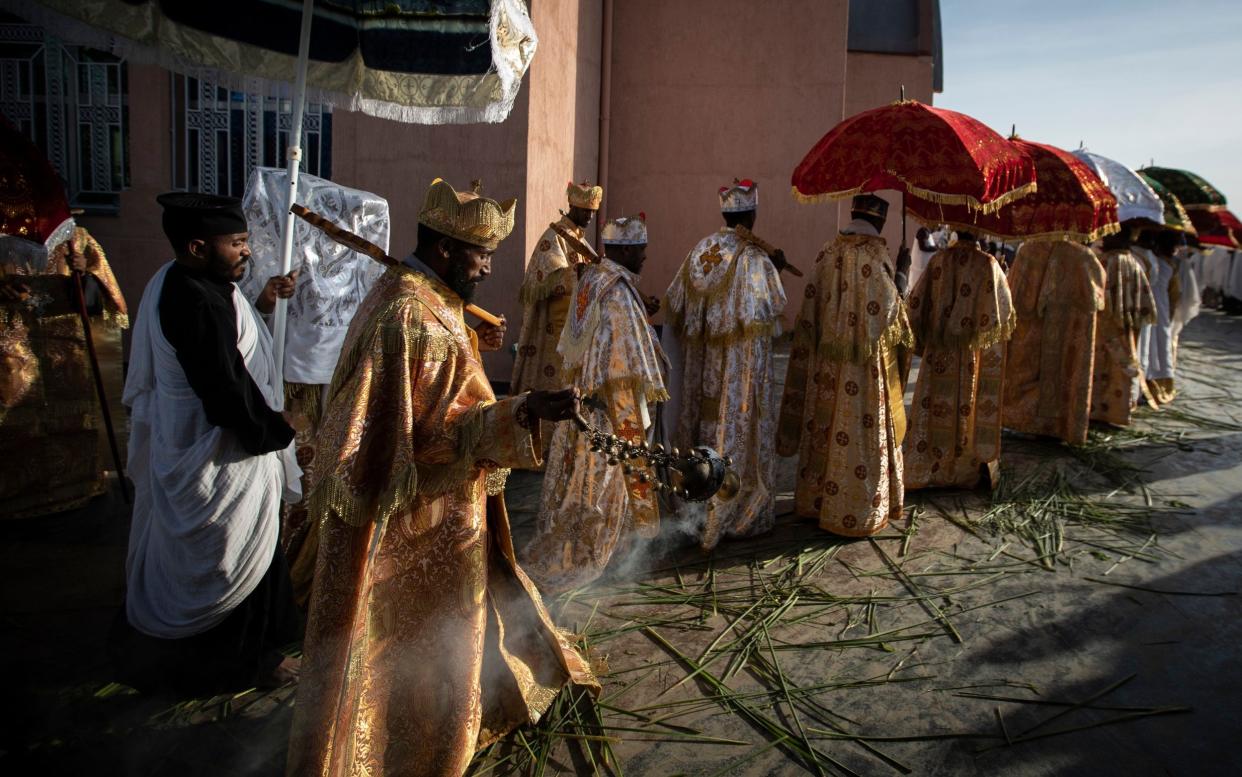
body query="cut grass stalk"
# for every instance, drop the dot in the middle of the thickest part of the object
(1160, 590)
(914, 588)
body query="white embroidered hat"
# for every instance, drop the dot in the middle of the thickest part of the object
(740, 196)
(625, 231)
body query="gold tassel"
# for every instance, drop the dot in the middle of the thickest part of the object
(940, 198)
(633, 383)
(897, 333)
(975, 341)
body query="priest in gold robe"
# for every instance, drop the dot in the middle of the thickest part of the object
(724, 308)
(1128, 307)
(546, 291)
(53, 438)
(590, 512)
(962, 316)
(1058, 288)
(842, 413)
(425, 639)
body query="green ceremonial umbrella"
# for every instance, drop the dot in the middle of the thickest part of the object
(1175, 216)
(1193, 191)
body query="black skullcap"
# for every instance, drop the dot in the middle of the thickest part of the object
(191, 216)
(870, 205)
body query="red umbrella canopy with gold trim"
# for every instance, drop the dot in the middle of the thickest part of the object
(33, 204)
(934, 154)
(1218, 226)
(1072, 203)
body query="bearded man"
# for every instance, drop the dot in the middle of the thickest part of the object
(426, 640)
(208, 603)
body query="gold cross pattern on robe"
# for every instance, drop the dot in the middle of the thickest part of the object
(629, 431)
(710, 258)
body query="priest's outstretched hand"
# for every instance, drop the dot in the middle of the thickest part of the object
(491, 337)
(281, 286)
(554, 405)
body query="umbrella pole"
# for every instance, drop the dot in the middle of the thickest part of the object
(903, 218)
(294, 159)
(104, 410)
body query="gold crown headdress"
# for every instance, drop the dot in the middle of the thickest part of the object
(467, 216)
(583, 195)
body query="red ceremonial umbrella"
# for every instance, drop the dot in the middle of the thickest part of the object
(1072, 203)
(930, 153)
(1218, 226)
(34, 203)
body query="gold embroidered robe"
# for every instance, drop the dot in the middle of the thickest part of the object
(53, 440)
(1057, 287)
(724, 306)
(962, 315)
(299, 538)
(589, 511)
(551, 275)
(1128, 306)
(842, 411)
(425, 639)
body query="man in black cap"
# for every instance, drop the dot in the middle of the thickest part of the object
(208, 603)
(842, 411)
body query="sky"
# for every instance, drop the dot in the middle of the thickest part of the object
(1134, 80)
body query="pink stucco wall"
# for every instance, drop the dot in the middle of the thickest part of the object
(705, 91)
(702, 91)
(550, 137)
(398, 161)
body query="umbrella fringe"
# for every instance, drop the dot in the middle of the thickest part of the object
(503, 82)
(940, 198)
(979, 229)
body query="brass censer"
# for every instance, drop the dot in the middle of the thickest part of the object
(695, 476)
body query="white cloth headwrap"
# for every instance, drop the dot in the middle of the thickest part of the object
(206, 513)
(333, 278)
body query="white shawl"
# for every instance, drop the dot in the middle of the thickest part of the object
(206, 513)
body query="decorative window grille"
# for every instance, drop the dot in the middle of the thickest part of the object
(221, 135)
(73, 103)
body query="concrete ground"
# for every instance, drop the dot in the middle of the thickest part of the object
(1084, 619)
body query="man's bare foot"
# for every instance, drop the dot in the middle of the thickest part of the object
(285, 673)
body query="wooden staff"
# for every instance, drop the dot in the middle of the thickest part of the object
(99, 386)
(577, 245)
(364, 246)
(764, 246)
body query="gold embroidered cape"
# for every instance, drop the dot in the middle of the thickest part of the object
(724, 306)
(1057, 287)
(550, 277)
(1128, 307)
(425, 639)
(962, 315)
(53, 441)
(842, 411)
(591, 512)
